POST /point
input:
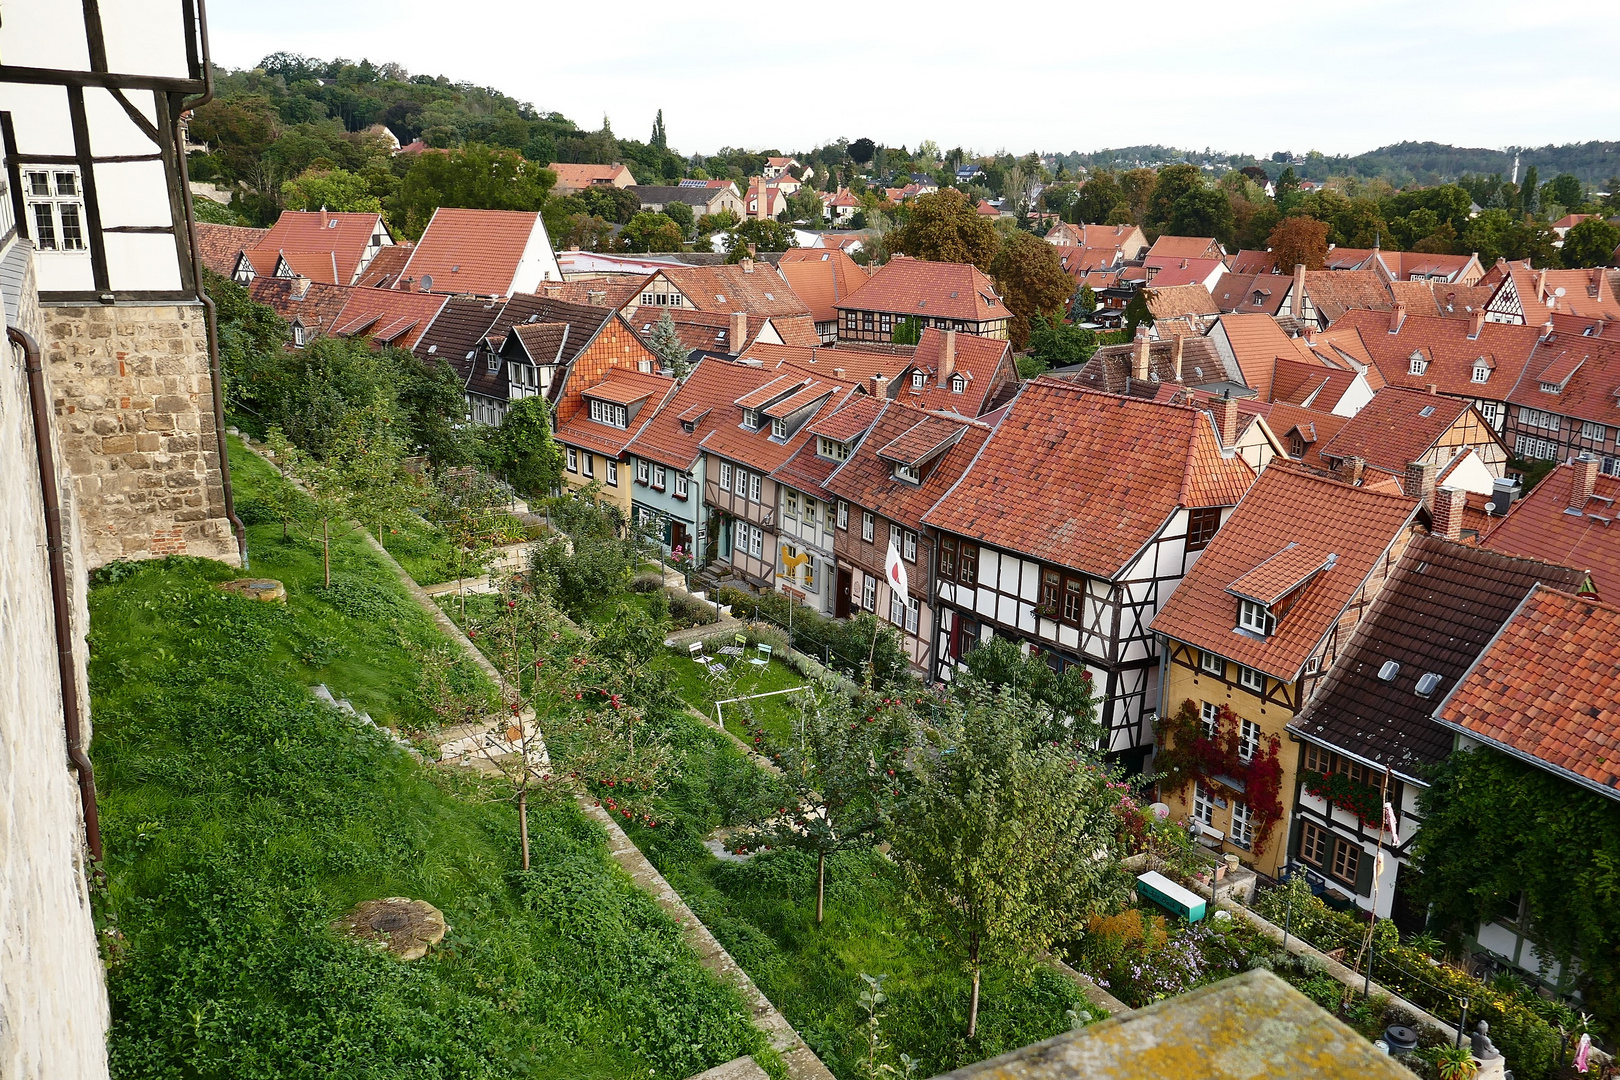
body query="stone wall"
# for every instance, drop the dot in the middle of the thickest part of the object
(134, 411)
(53, 1002)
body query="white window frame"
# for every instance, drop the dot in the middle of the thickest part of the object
(587, 465)
(658, 476)
(831, 449)
(897, 608)
(756, 542)
(1242, 832)
(1595, 432)
(868, 526)
(908, 473)
(753, 487)
(1248, 738)
(779, 427)
(1211, 663)
(913, 614)
(843, 514)
(680, 485)
(809, 581)
(612, 472)
(1417, 366)
(725, 476)
(50, 208)
(1209, 715)
(300, 335)
(958, 384)
(1481, 373)
(1250, 679)
(908, 546)
(919, 380)
(643, 473)
(1256, 617)
(751, 419)
(1529, 446)
(1539, 418)
(573, 460)
(790, 503)
(869, 592)
(1203, 804)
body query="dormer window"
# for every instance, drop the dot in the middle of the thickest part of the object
(779, 428)
(1256, 617)
(1481, 373)
(494, 363)
(908, 473)
(958, 384)
(299, 335)
(1417, 365)
(1551, 388)
(832, 449)
(751, 419)
(606, 412)
(918, 380)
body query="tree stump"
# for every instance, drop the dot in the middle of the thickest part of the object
(405, 927)
(266, 589)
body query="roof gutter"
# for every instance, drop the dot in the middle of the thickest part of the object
(51, 500)
(215, 375)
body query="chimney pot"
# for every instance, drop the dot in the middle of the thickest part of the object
(1586, 474)
(1420, 480)
(1351, 468)
(947, 358)
(739, 330)
(1448, 512)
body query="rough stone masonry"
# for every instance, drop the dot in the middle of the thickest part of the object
(133, 397)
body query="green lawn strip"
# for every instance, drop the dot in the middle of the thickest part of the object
(424, 552)
(241, 818)
(775, 714)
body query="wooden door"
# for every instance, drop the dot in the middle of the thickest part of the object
(841, 603)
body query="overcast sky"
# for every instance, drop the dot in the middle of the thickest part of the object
(1037, 75)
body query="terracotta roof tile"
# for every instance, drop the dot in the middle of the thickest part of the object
(1435, 615)
(1185, 247)
(1174, 301)
(853, 419)
(1287, 504)
(346, 235)
(1548, 524)
(1251, 262)
(1256, 342)
(907, 286)
(1585, 369)
(1396, 427)
(929, 436)
(394, 318)
(753, 288)
(703, 400)
(1444, 346)
(219, 245)
(812, 391)
(312, 304)
(821, 277)
(383, 271)
(867, 480)
(1282, 573)
(758, 449)
(1545, 688)
(624, 387)
(1086, 479)
(1334, 292)
(472, 251)
(1251, 293)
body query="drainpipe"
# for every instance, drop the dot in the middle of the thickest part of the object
(202, 294)
(51, 496)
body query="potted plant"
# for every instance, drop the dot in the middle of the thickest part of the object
(1453, 1062)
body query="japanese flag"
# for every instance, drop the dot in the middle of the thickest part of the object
(896, 570)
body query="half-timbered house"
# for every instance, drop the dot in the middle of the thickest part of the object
(1372, 713)
(1071, 528)
(753, 436)
(1567, 518)
(1400, 426)
(1261, 617)
(1568, 401)
(606, 416)
(900, 470)
(948, 296)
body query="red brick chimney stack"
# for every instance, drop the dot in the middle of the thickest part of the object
(1586, 474)
(1225, 412)
(947, 356)
(1476, 324)
(1139, 356)
(1396, 318)
(1351, 468)
(1176, 356)
(1296, 300)
(1448, 512)
(1420, 481)
(739, 330)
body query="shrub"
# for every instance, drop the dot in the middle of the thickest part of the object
(688, 611)
(646, 583)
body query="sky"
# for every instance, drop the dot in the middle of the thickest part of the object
(1033, 75)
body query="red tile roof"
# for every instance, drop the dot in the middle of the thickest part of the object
(386, 316)
(1321, 517)
(985, 364)
(1334, 292)
(219, 245)
(346, 235)
(1312, 386)
(1585, 369)
(1547, 524)
(1257, 341)
(625, 388)
(1251, 293)
(1445, 347)
(1585, 293)
(757, 449)
(1249, 262)
(797, 330)
(1185, 247)
(821, 277)
(472, 251)
(316, 265)
(851, 420)
(316, 306)
(752, 287)
(908, 286)
(572, 177)
(1316, 428)
(868, 480)
(1545, 688)
(703, 400)
(1168, 272)
(1392, 429)
(921, 441)
(1086, 479)
(1173, 301)
(383, 271)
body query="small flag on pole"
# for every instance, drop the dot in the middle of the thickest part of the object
(896, 571)
(1390, 824)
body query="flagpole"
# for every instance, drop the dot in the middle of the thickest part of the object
(1378, 860)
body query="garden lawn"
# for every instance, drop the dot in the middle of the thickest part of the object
(424, 553)
(241, 818)
(774, 714)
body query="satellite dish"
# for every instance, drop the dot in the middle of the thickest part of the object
(427, 282)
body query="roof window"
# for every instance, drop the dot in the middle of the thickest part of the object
(1427, 682)
(1427, 410)
(1389, 671)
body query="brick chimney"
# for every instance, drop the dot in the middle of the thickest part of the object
(739, 330)
(1541, 285)
(1448, 512)
(1351, 468)
(1225, 413)
(1296, 304)
(1432, 389)
(880, 386)
(1419, 482)
(1139, 355)
(300, 286)
(1476, 324)
(747, 264)
(1586, 474)
(947, 356)
(1396, 318)
(1176, 356)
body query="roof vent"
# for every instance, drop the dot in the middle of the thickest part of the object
(456, 268)
(1427, 682)
(1427, 410)
(1389, 671)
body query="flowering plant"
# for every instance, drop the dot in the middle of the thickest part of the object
(1187, 753)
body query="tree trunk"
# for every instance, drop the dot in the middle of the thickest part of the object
(523, 833)
(821, 885)
(973, 1005)
(326, 549)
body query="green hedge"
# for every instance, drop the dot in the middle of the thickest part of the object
(848, 642)
(1523, 1025)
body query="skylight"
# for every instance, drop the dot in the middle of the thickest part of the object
(1426, 683)
(1389, 671)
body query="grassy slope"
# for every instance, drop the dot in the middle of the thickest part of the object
(241, 819)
